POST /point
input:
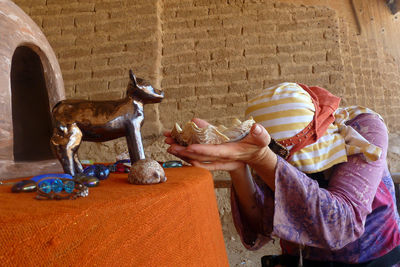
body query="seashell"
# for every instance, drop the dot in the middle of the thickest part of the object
(146, 171)
(192, 134)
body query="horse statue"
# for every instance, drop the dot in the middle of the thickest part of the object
(98, 121)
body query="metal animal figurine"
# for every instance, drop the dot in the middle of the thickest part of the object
(97, 121)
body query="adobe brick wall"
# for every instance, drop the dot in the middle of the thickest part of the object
(210, 57)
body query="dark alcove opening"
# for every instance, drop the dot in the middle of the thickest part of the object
(30, 107)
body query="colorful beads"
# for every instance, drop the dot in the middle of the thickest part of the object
(45, 186)
(98, 170)
(172, 164)
(69, 186)
(56, 186)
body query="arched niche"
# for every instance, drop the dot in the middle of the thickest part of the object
(30, 85)
(31, 116)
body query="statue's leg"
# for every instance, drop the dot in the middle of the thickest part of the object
(75, 139)
(61, 144)
(77, 163)
(134, 139)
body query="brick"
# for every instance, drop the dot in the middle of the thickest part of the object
(208, 22)
(208, 44)
(178, 47)
(61, 42)
(333, 55)
(262, 72)
(193, 56)
(274, 15)
(90, 63)
(325, 12)
(109, 5)
(192, 34)
(169, 81)
(75, 75)
(142, 10)
(240, 42)
(244, 87)
(144, 22)
(296, 47)
(90, 18)
(67, 65)
(77, 8)
(134, 35)
(192, 12)
(174, 26)
(179, 92)
(123, 59)
(224, 32)
(107, 73)
(260, 50)
(176, 5)
(142, 46)
(108, 48)
(318, 68)
(119, 83)
(91, 39)
(276, 59)
(307, 58)
(74, 52)
(88, 29)
(58, 2)
(269, 38)
(211, 90)
(228, 99)
(229, 76)
(42, 10)
(304, 14)
(59, 21)
(196, 103)
(225, 53)
(259, 28)
(243, 62)
(194, 78)
(91, 87)
(224, 10)
(237, 21)
(295, 69)
(304, 35)
(111, 26)
(109, 95)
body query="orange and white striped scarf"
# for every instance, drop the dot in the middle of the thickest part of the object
(286, 109)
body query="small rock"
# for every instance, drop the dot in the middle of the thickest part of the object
(146, 171)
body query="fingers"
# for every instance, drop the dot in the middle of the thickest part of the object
(169, 141)
(258, 136)
(222, 152)
(218, 166)
(200, 123)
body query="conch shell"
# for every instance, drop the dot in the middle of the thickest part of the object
(192, 134)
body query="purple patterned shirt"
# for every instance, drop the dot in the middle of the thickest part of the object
(353, 220)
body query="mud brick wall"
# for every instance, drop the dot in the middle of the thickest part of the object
(209, 56)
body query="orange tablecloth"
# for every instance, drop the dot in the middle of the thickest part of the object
(171, 224)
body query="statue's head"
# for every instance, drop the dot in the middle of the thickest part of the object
(142, 90)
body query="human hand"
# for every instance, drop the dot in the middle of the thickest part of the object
(252, 150)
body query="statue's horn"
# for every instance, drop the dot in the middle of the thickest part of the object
(133, 77)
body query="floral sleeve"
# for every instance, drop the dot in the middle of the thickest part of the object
(301, 212)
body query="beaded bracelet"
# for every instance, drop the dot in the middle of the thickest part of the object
(60, 188)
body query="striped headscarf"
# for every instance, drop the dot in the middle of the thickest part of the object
(308, 122)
